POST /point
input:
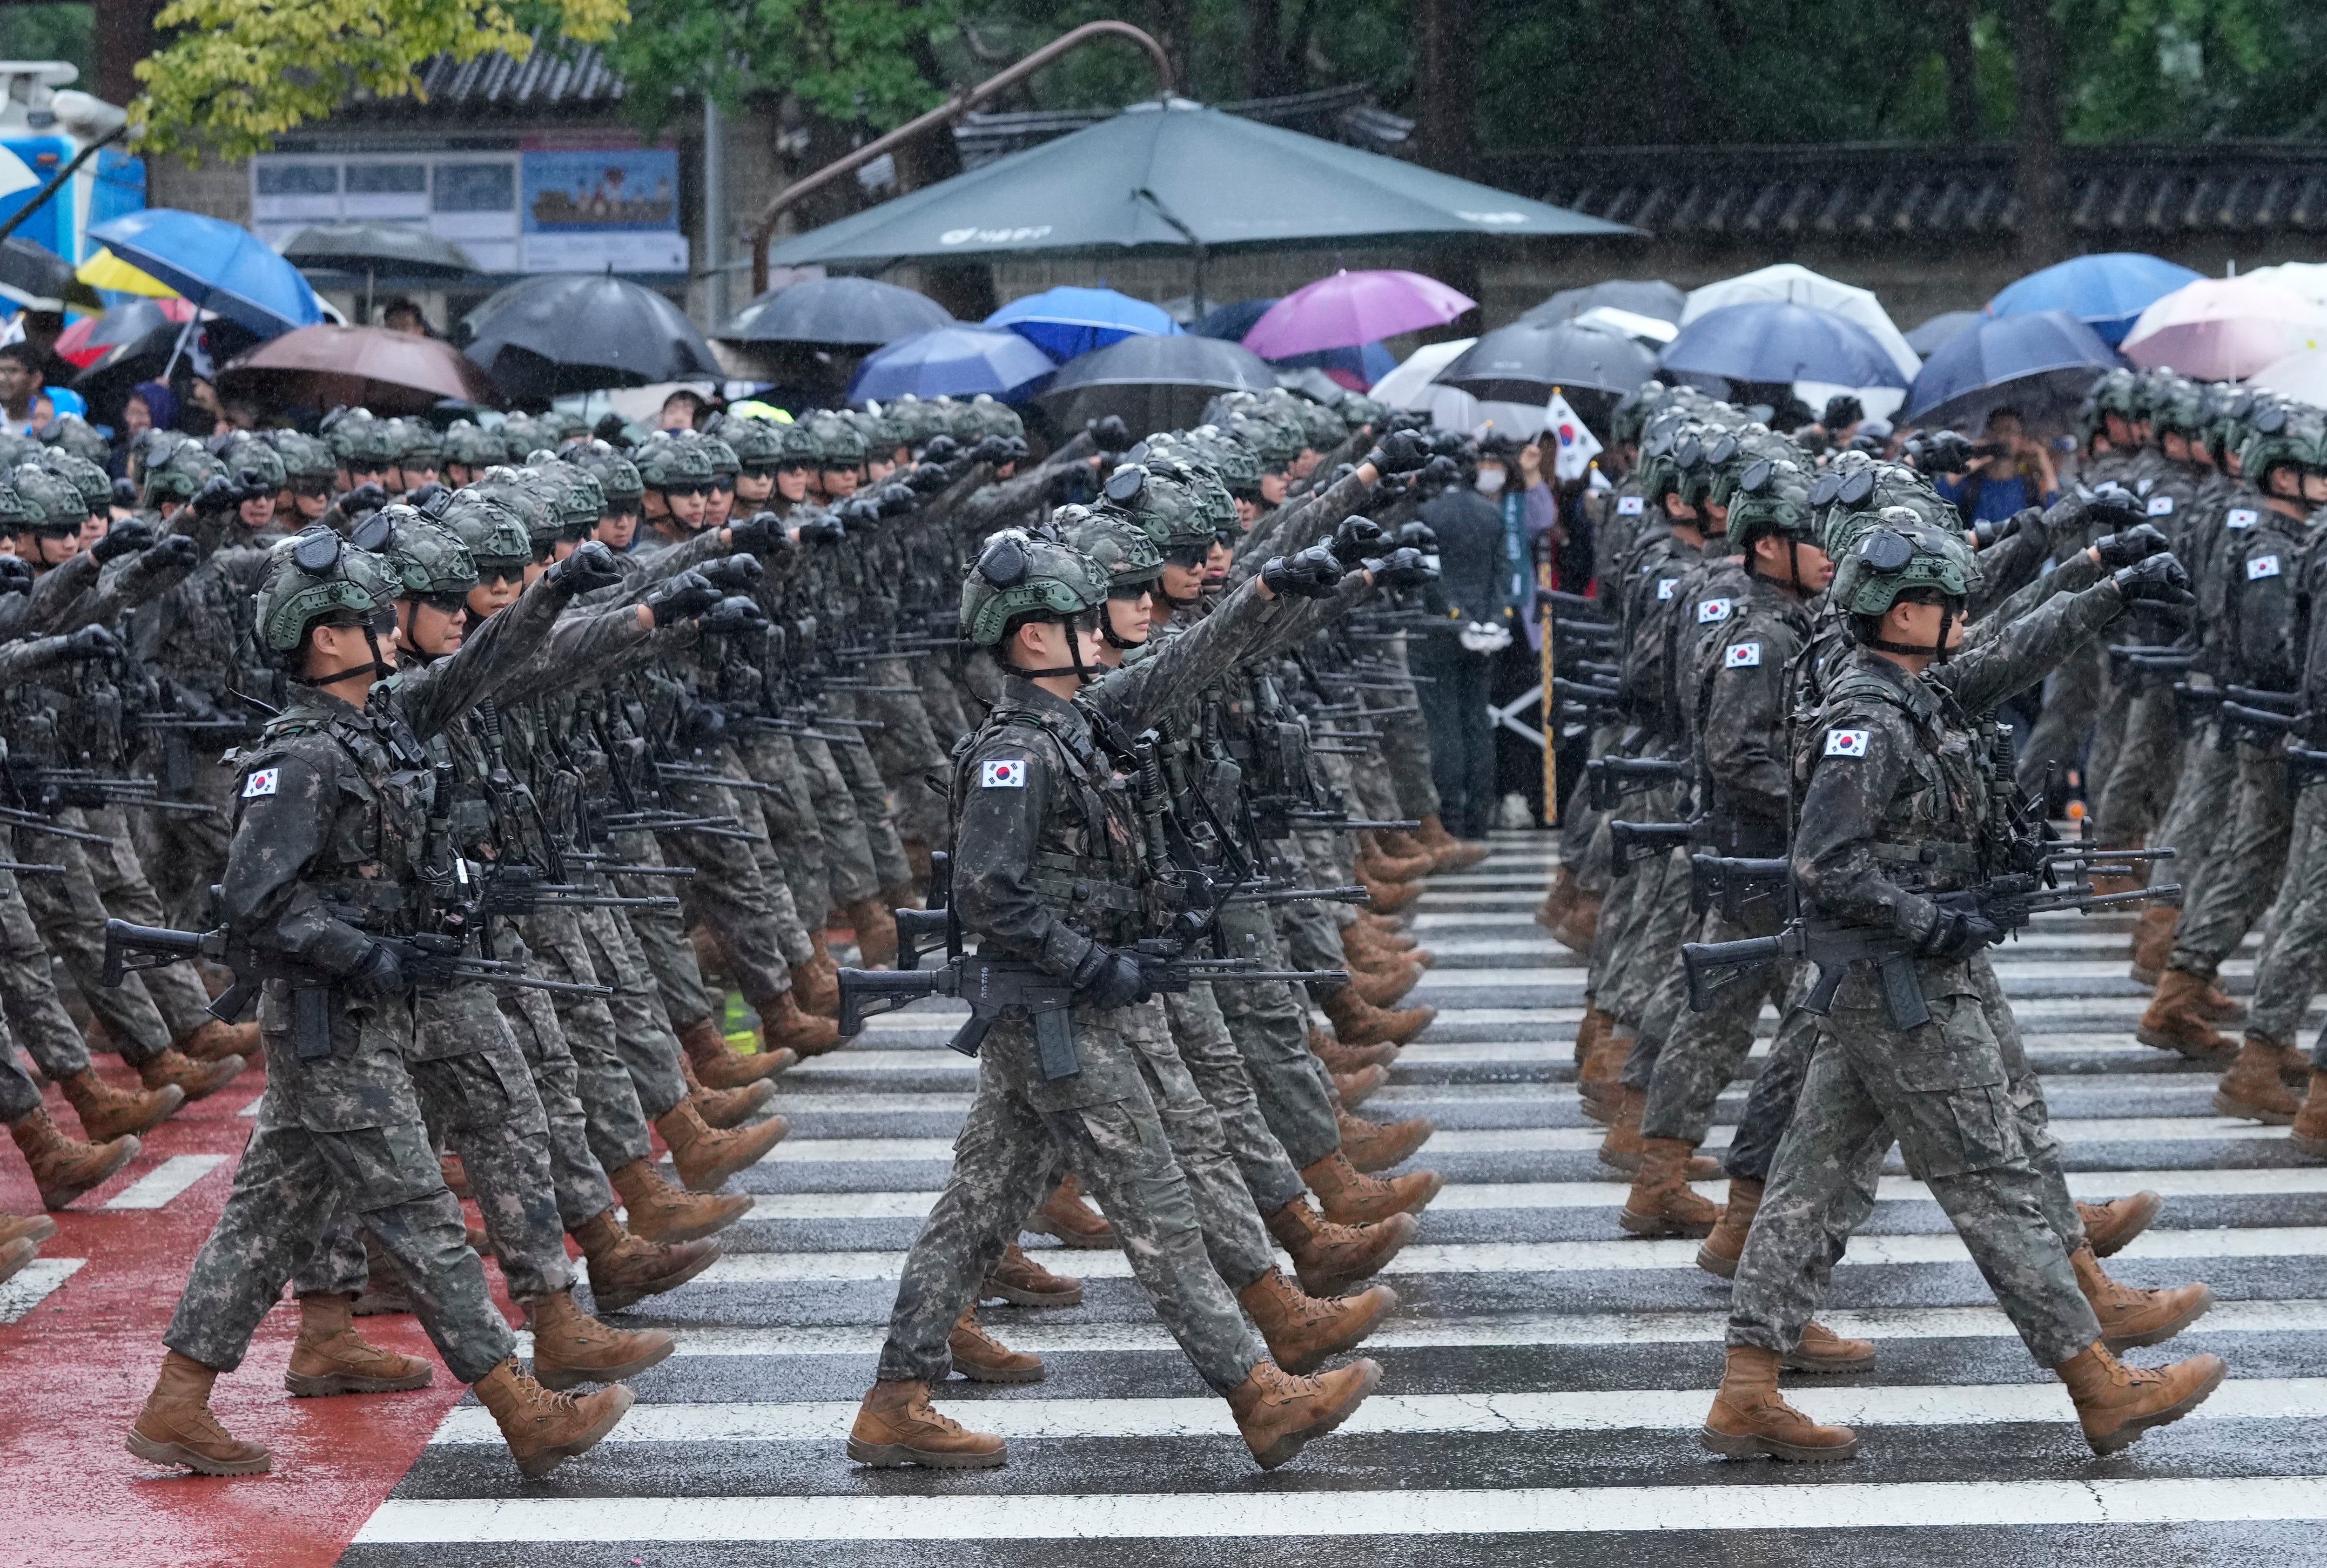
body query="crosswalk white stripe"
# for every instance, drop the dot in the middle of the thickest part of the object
(1555, 1257)
(34, 1284)
(165, 1181)
(959, 1515)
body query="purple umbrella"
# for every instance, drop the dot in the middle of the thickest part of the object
(1350, 308)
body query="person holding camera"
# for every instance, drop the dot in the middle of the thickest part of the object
(2012, 473)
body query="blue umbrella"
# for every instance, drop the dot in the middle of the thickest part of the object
(2039, 364)
(1066, 321)
(1776, 341)
(956, 361)
(1366, 364)
(2107, 292)
(217, 264)
(1231, 321)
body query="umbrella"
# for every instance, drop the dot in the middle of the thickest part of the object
(387, 372)
(1153, 383)
(214, 340)
(1410, 384)
(1352, 369)
(2041, 364)
(1773, 340)
(1066, 321)
(1928, 337)
(2224, 329)
(1231, 321)
(839, 312)
(85, 341)
(1649, 296)
(579, 331)
(1793, 285)
(1521, 363)
(392, 250)
(2105, 291)
(1174, 176)
(957, 361)
(216, 265)
(2301, 376)
(2307, 278)
(38, 279)
(1350, 308)
(106, 271)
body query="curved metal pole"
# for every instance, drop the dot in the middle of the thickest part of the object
(945, 114)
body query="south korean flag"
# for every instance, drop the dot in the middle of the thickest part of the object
(1709, 611)
(1742, 656)
(262, 783)
(1002, 775)
(1846, 742)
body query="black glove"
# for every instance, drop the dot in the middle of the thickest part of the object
(2155, 579)
(1961, 929)
(125, 494)
(1110, 433)
(1440, 469)
(1403, 567)
(1941, 452)
(1989, 533)
(16, 577)
(364, 499)
(431, 494)
(589, 568)
(1418, 535)
(859, 511)
(827, 529)
(994, 449)
(1310, 574)
(92, 641)
(128, 534)
(732, 573)
(941, 449)
(688, 594)
(760, 534)
(927, 478)
(380, 975)
(1107, 978)
(2126, 546)
(1357, 538)
(177, 553)
(1399, 451)
(2114, 505)
(220, 495)
(732, 613)
(896, 500)
(1019, 451)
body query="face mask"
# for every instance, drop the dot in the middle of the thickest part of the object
(1490, 482)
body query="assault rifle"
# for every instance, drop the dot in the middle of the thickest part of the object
(1639, 841)
(1613, 778)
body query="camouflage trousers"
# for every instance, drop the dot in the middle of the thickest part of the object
(906, 750)
(2111, 725)
(788, 812)
(1405, 734)
(659, 935)
(1707, 1050)
(1583, 841)
(1661, 918)
(186, 851)
(852, 756)
(18, 1095)
(940, 684)
(1631, 899)
(2073, 699)
(2247, 865)
(850, 869)
(34, 1013)
(755, 924)
(2196, 822)
(1270, 1027)
(70, 917)
(1308, 934)
(1971, 1126)
(2140, 788)
(1210, 1052)
(1770, 1103)
(119, 876)
(2296, 944)
(1107, 1123)
(625, 1057)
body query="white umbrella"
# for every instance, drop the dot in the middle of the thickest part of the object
(1408, 385)
(2224, 329)
(2301, 376)
(2307, 278)
(1799, 286)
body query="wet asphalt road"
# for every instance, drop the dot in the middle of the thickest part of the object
(1543, 1379)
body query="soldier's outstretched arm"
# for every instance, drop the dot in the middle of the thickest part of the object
(1136, 696)
(2022, 651)
(55, 591)
(2073, 575)
(1292, 527)
(430, 698)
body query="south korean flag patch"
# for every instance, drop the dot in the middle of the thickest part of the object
(2161, 505)
(1846, 742)
(2241, 518)
(1709, 611)
(1664, 586)
(2262, 567)
(1627, 505)
(1002, 775)
(1742, 656)
(264, 781)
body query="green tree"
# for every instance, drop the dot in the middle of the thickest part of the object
(863, 61)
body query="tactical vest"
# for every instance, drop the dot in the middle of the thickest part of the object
(1096, 886)
(1935, 834)
(371, 862)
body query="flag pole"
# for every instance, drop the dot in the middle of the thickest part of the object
(1543, 616)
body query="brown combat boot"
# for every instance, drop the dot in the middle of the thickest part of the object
(790, 1033)
(1620, 1149)
(1661, 1203)
(1726, 1245)
(2131, 1317)
(1382, 988)
(1375, 860)
(1822, 1350)
(211, 1041)
(32, 1227)
(1596, 1087)
(2116, 1403)
(724, 1108)
(1327, 1256)
(1453, 854)
(1750, 1417)
(981, 1358)
(331, 1358)
(107, 1113)
(1378, 1145)
(197, 1079)
(1389, 897)
(706, 1157)
(895, 1426)
(15, 1254)
(2153, 942)
(2251, 1089)
(815, 985)
(1023, 1282)
(656, 1210)
(545, 1429)
(2308, 1134)
(1280, 1413)
(1353, 1090)
(2221, 1006)
(1342, 1057)
(1388, 929)
(1357, 1022)
(1579, 925)
(1303, 1330)
(625, 1267)
(1067, 1217)
(876, 933)
(176, 1426)
(2109, 1226)
(2174, 1020)
(1348, 1196)
(64, 1168)
(571, 1348)
(719, 1066)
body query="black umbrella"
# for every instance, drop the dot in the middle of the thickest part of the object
(842, 311)
(375, 250)
(1522, 363)
(583, 333)
(1153, 383)
(38, 279)
(1649, 296)
(107, 382)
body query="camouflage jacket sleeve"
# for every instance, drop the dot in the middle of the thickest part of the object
(2011, 564)
(1005, 502)
(1743, 742)
(1867, 753)
(642, 574)
(121, 587)
(1299, 525)
(2073, 575)
(585, 649)
(431, 698)
(2022, 652)
(261, 893)
(1138, 695)
(55, 592)
(937, 511)
(1008, 788)
(29, 656)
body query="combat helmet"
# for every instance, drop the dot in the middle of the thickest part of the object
(425, 558)
(1899, 553)
(802, 445)
(1018, 576)
(1162, 499)
(71, 433)
(617, 476)
(176, 475)
(474, 447)
(315, 574)
(1632, 411)
(90, 482)
(240, 452)
(45, 504)
(2282, 435)
(576, 501)
(843, 446)
(499, 541)
(1771, 496)
(757, 444)
(304, 457)
(666, 463)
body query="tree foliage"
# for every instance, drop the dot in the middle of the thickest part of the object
(851, 60)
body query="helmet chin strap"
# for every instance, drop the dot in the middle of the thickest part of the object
(1114, 639)
(1936, 652)
(1084, 674)
(379, 668)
